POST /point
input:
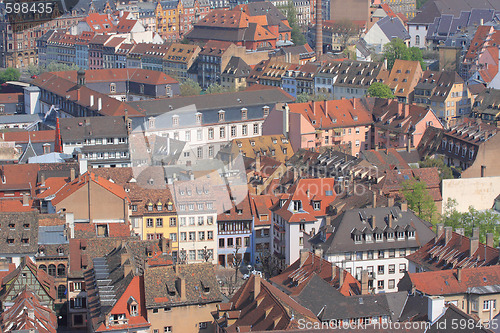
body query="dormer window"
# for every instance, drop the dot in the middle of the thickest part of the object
(411, 234)
(282, 202)
(26, 225)
(244, 114)
(133, 310)
(151, 122)
(317, 205)
(266, 110)
(198, 118)
(390, 235)
(297, 205)
(170, 206)
(60, 251)
(369, 238)
(222, 115)
(150, 207)
(12, 226)
(10, 241)
(401, 235)
(175, 120)
(357, 239)
(159, 206)
(379, 237)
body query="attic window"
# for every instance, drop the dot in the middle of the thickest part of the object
(12, 226)
(10, 241)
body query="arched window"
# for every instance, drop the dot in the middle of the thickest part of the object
(281, 37)
(43, 268)
(417, 40)
(61, 291)
(61, 270)
(52, 270)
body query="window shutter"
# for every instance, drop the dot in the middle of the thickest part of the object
(84, 302)
(71, 287)
(83, 286)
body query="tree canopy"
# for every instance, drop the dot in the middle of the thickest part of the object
(9, 74)
(378, 89)
(297, 36)
(445, 171)
(419, 200)
(397, 49)
(190, 88)
(487, 221)
(216, 88)
(52, 67)
(304, 98)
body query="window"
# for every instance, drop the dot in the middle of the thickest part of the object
(255, 128)
(173, 237)
(199, 135)
(402, 253)
(173, 222)
(192, 236)
(347, 255)
(182, 221)
(159, 222)
(380, 269)
(392, 269)
(391, 284)
(369, 254)
(192, 255)
(381, 254)
(490, 304)
(210, 133)
(187, 136)
(191, 220)
(52, 270)
(392, 253)
(210, 151)
(61, 270)
(244, 130)
(221, 115)
(199, 152)
(183, 236)
(61, 291)
(233, 130)
(317, 205)
(230, 242)
(203, 325)
(380, 284)
(221, 242)
(222, 132)
(402, 268)
(112, 88)
(201, 235)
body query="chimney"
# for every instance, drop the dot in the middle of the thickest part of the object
(474, 245)
(181, 287)
(70, 222)
(26, 199)
(334, 271)
(459, 274)
(404, 206)
(389, 220)
(374, 199)
(127, 268)
(354, 103)
(91, 100)
(78, 94)
(99, 104)
(475, 232)
(319, 30)
(31, 313)
(257, 163)
(164, 247)
(489, 239)
(364, 282)
(407, 110)
(286, 120)
(390, 202)
(459, 231)
(303, 256)
(373, 221)
(439, 231)
(447, 234)
(400, 109)
(42, 179)
(313, 107)
(72, 174)
(341, 277)
(435, 307)
(256, 286)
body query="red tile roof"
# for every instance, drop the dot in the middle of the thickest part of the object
(34, 136)
(18, 177)
(334, 113)
(439, 254)
(314, 264)
(119, 75)
(446, 282)
(261, 208)
(11, 98)
(15, 205)
(99, 22)
(51, 187)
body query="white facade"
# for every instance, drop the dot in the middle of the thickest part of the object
(195, 232)
(386, 267)
(376, 38)
(418, 34)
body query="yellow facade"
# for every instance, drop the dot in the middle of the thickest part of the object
(167, 20)
(157, 223)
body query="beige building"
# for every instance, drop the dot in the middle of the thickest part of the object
(181, 298)
(480, 194)
(234, 76)
(473, 290)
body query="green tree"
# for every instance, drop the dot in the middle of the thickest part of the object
(190, 88)
(304, 98)
(9, 74)
(215, 88)
(378, 89)
(297, 36)
(419, 200)
(445, 171)
(52, 67)
(487, 221)
(345, 31)
(397, 49)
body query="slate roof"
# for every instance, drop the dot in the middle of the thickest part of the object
(18, 227)
(385, 159)
(162, 290)
(393, 28)
(454, 314)
(353, 221)
(439, 83)
(433, 9)
(487, 102)
(52, 235)
(80, 128)
(209, 105)
(357, 74)
(137, 75)
(439, 254)
(321, 298)
(237, 67)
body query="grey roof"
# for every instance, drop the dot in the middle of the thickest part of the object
(328, 303)
(362, 47)
(78, 129)
(359, 220)
(209, 105)
(393, 28)
(435, 8)
(237, 67)
(348, 73)
(50, 158)
(20, 118)
(52, 235)
(493, 289)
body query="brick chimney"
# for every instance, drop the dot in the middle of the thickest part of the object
(407, 110)
(303, 256)
(256, 286)
(459, 274)
(257, 162)
(474, 241)
(334, 271)
(439, 231)
(364, 282)
(26, 199)
(341, 277)
(319, 30)
(390, 201)
(354, 103)
(180, 285)
(475, 232)
(374, 199)
(72, 174)
(404, 206)
(448, 231)
(400, 109)
(489, 239)
(389, 220)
